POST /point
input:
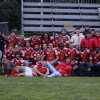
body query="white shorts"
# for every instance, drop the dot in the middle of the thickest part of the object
(28, 72)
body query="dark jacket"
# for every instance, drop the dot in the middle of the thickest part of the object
(2, 43)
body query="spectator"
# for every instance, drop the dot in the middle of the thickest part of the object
(93, 33)
(87, 42)
(97, 42)
(86, 30)
(2, 45)
(76, 38)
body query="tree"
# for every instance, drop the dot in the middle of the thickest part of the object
(98, 1)
(11, 13)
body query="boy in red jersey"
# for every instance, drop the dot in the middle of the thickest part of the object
(85, 63)
(61, 53)
(97, 42)
(65, 68)
(45, 38)
(12, 40)
(71, 52)
(96, 63)
(87, 42)
(18, 60)
(21, 41)
(28, 51)
(35, 40)
(50, 53)
(40, 69)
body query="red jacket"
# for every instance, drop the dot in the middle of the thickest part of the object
(64, 69)
(87, 43)
(97, 42)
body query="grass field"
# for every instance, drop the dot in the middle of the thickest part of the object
(72, 88)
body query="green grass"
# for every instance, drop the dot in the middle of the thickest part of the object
(72, 88)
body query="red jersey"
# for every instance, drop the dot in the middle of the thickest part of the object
(45, 40)
(50, 55)
(85, 55)
(65, 38)
(87, 43)
(29, 53)
(21, 42)
(96, 58)
(8, 53)
(12, 40)
(14, 73)
(97, 42)
(38, 55)
(55, 43)
(71, 52)
(23, 51)
(64, 69)
(17, 62)
(42, 69)
(35, 41)
(61, 55)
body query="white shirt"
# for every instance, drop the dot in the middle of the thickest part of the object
(28, 72)
(76, 39)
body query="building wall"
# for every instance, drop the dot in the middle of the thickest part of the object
(67, 1)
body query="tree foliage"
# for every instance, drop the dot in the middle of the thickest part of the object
(10, 12)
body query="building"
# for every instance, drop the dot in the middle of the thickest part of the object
(54, 15)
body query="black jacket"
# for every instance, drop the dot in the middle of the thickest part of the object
(2, 43)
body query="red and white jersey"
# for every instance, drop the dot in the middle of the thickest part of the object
(85, 55)
(23, 51)
(12, 40)
(67, 51)
(71, 52)
(21, 41)
(35, 41)
(64, 69)
(60, 54)
(97, 42)
(41, 68)
(17, 62)
(96, 58)
(55, 43)
(65, 38)
(29, 53)
(8, 53)
(50, 54)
